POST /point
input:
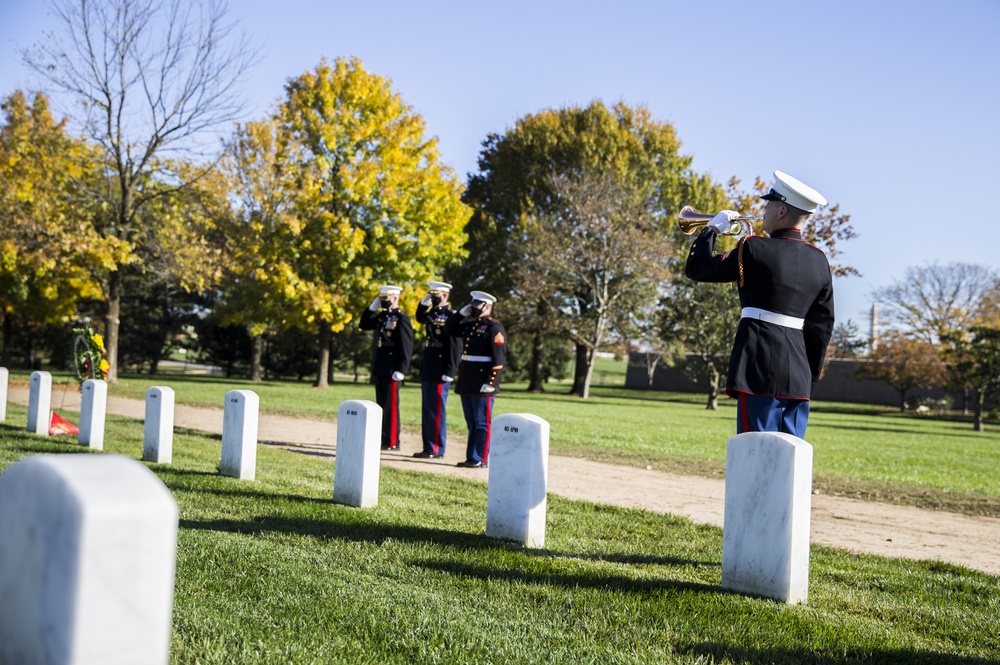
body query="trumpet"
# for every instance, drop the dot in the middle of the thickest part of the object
(690, 220)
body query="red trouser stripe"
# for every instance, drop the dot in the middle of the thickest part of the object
(394, 408)
(745, 413)
(437, 416)
(489, 428)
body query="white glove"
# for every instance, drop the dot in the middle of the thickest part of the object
(397, 376)
(447, 379)
(723, 221)
(426, 300)
(487, 389)
(466, 311)
(376, 304)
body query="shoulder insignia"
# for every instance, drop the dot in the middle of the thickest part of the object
(498, 338)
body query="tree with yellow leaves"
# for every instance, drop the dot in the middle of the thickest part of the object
(371, 202)
(48, 250)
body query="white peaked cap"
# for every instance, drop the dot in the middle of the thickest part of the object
(390, 289)
(794, 192)
(439, 286)
(483, 296)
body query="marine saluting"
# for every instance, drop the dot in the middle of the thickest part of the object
(439, 367)
(484, 354)
(391, 356)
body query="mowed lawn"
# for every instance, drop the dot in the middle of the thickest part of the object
(865, 452)
(271, 571)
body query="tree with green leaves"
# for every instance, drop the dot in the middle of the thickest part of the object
(514, 189)
(599, 252)
(974, 366)
(151, 79)
(371, 200)
(846, 341)
(699, 320)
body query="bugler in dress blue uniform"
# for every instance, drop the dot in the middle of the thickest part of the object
(786, 291)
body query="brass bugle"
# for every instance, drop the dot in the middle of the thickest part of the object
(690, 220)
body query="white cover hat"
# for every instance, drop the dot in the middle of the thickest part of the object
(390, 289)
(483, 296)
(794, 192)
(439, 286)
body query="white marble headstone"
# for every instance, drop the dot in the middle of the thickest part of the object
(518, 479)
(158, 429)
(93, 411)
(40, 403)
(765, 542)
(239, 434)
(359, 440)
(4, 383)
(88, 547)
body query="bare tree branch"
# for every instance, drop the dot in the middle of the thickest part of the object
(152, 80)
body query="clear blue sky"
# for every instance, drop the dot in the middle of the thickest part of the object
(889, 107)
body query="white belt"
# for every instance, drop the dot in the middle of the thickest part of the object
(477, 359)
(773, 317)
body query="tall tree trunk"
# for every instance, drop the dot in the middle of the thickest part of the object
(29, 352)
(256, 352)
(589, 374)
(166, 324)
(579, 370)
(536, 383)
(112, 322)
(980, 403)
(536, 371)
(8, 331)
(322, 377)
(713, 392)
(652, 361)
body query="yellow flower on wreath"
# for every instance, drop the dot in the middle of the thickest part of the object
(105, 366)
(98, 340)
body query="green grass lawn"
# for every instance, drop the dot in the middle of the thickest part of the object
(863, 452)
(271, 571)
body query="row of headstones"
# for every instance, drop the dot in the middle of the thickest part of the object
(88, 542)
(239, 421)
(75, 582)
(517, 477)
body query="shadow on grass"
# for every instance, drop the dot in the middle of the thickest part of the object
(378, 534)
(569, 581)
(727, 653)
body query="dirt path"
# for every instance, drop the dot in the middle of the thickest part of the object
(858, 526)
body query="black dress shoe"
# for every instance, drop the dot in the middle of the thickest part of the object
(396, 447)
(425, 455)
(468, 464)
